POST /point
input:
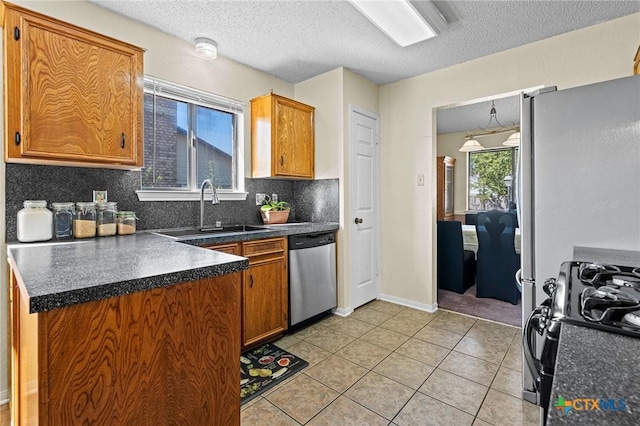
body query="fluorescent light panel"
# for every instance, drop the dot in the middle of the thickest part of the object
(398, 19)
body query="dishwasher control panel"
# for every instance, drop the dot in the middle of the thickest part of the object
(297, 242)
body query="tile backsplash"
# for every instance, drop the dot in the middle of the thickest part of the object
(316, 201)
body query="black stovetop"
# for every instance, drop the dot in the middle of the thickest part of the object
(605, 297)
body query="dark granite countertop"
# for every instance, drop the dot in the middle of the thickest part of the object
(270, 231)
(595, 364)
(59, 274)
(56, 275)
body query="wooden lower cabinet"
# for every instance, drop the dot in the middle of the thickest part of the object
(163, 356)
(265, 288)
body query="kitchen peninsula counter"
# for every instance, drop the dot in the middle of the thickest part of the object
(55, 275)
(135, 329)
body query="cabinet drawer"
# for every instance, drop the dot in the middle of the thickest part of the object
(233, 248)
(262, 247)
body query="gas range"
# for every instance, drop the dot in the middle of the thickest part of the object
(602, 296)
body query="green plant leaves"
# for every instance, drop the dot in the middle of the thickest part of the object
(270, 205)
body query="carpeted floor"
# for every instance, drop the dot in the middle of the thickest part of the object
(491, 309)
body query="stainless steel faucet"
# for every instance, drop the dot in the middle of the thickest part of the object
(214, 198)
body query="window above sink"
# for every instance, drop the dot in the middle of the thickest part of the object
(190, 136)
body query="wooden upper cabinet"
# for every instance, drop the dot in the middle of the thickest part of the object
(73, 97)
(636, 62)
(282, 138)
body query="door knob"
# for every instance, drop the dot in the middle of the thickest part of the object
(358, 220)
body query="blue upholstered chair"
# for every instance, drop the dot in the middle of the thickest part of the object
(498, 261)
(456, 266)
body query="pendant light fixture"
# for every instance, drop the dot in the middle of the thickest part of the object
(471, 144)
(512, 140)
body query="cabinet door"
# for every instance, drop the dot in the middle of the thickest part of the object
(73, 95)
(293, 153)
(264, 310)
(25, 387)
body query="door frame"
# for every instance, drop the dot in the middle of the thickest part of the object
(348, 216)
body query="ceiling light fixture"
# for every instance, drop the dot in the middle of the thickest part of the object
(512, 140)
(206, 48)
(403, 21)
(473, 145)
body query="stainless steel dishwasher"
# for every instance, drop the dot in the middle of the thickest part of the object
(312, 275)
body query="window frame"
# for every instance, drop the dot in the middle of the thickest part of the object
(514, 166)
(195, 97)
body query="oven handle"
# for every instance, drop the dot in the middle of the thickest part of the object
(533, 363)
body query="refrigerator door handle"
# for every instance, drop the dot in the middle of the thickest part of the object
(525, 199)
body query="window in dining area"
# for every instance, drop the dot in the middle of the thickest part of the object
(491, 180)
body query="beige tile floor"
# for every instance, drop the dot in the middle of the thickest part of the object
(390, 365)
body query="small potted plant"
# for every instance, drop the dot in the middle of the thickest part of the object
(274, 212)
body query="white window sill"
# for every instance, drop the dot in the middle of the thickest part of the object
(163, 195)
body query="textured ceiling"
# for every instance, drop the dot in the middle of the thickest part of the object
(297, 40)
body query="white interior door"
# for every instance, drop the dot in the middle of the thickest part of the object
(364, 206)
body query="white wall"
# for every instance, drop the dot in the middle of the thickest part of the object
(449, 144)
(593, 54)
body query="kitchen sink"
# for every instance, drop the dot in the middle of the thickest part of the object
(196, 232)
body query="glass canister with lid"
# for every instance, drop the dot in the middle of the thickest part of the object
(34, 222)
(62, 220)
(106, 219)
(126, 222)
(84, 222)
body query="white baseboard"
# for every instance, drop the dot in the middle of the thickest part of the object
(409, 303)
(343, 312)
(4, 397)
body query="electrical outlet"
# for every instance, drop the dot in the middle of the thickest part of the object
(274, 198)
(260, 198)
(420, 180)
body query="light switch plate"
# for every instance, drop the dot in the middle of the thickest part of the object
(420, 180)
(99, 196)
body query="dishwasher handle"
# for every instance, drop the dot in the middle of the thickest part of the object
(304, 241)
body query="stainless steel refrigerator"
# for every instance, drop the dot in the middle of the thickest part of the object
(578, 181)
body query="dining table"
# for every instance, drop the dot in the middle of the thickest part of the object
(470, 238)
